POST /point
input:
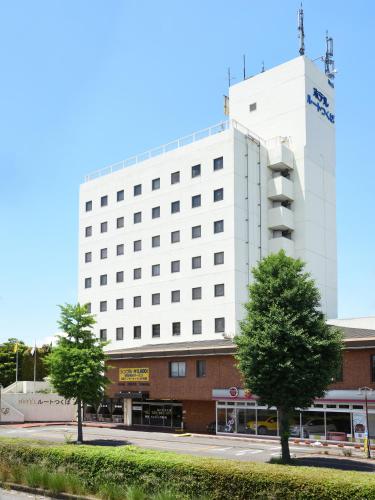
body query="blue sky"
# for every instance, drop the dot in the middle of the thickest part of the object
(88, 83)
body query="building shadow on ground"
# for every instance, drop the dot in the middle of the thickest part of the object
(336, 463)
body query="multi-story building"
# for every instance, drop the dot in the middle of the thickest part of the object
(168, 239)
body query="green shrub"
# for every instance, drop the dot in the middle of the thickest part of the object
(34, 476)
(56, 482)
(17, 473)
(135, 492)
(111, 491)
(188, 476)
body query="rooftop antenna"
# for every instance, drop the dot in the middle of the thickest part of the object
(301, 31)
(329, 63)
(244, 67)
(262, 67)
(230, 78)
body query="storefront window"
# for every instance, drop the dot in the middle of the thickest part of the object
(176, 416)
(313, 425)
(245, 418)
(340, 422)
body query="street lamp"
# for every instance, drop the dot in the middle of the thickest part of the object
(365, 390)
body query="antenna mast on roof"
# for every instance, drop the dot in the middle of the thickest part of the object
(329, 63)
(301, 31)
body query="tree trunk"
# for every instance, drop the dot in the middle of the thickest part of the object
(79, 422)
(284, 434)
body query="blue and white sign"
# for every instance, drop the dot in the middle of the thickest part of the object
(320, 101)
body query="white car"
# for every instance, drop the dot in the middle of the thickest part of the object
(312, 426)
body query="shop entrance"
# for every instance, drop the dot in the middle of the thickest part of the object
(157, 414)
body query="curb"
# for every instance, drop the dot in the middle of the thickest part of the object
(41, 492)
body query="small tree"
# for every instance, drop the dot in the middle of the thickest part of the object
(8, 357)
(76, 364)
(286, 352)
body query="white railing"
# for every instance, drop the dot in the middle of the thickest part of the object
(178, 143)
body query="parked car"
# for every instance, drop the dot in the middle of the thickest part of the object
(263, 427)
(312, 426)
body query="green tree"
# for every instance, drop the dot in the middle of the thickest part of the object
(8, 361)
(286, 352)
(77, 363)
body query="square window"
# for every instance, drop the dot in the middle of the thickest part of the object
(137, 301)
(219, 290)
(218, 194)
(103, 253)
(88, 206)
(196, 171)
(87, 282)
(120, 195)
(137, 190)
(156, 241)
(88, 231)
(197, 326)
(103, 279)
(196, 262)
(218, 163)
(137, 217)
(88, 257)
(103, 334)
(120, 249)
(196, 293)
(218, 226)
(137, 245)
(104, 201)
(137, 332)
(219, 325)
(177, 369)
(119, 304)
(120, 333)
(156, 212)
(196, 232)
(175, 266)
(176, 328)
(175, 236)
(175, 207)
(137, 273)
(155, 270)
(218, 258)
(201, 368)
(175, 177)
(120, 222)
(119, 276)
(175, 296)
(156, 184)
(252, 107)
(88, 307)
(103, 306)
(156, 330)
(103, 227)
(155, 299)
(196, 201)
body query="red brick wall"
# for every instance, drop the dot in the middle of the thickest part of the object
(198, 414)
(356, 369)
(220, 373)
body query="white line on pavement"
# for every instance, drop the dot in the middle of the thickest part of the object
(223, 449)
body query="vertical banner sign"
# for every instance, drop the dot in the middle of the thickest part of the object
(359, 425)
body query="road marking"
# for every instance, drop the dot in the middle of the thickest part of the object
(275, 448)
(275, 454)
(223, 449)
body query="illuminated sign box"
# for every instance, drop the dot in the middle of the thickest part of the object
(134, 374)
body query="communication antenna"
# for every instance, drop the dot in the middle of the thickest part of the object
(301, 31)
(262, 71)
(244, 67)
(230, 78)
(329, 63)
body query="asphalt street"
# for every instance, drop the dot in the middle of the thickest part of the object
(15, 495)
(243, 449)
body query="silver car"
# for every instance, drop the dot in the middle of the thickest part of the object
(312, 426)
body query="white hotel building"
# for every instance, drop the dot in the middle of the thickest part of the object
(167, 239)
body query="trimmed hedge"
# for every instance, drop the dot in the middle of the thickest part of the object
(190, 476)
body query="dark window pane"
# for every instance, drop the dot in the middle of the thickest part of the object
(88, 206)
(137, 189)
(120, 333)
(155, 184)
(218, 163)
(120, 195)
(196, 201)
(104, 201)
(195, 170)
(175, 177)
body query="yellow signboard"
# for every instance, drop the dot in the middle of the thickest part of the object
(134, 374)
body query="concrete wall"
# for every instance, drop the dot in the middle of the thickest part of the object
(37, 408)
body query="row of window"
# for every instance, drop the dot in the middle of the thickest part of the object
(219, 325)
(196, 263)
(177, 369)
(196, 294)
(218, 227)
(155, 212)
(218, 164)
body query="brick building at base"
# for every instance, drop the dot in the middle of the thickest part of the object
(196, 387)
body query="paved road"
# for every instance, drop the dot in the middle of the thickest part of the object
(15, 495)
(210, 446)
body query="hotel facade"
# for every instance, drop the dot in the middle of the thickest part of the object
(167, 240)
